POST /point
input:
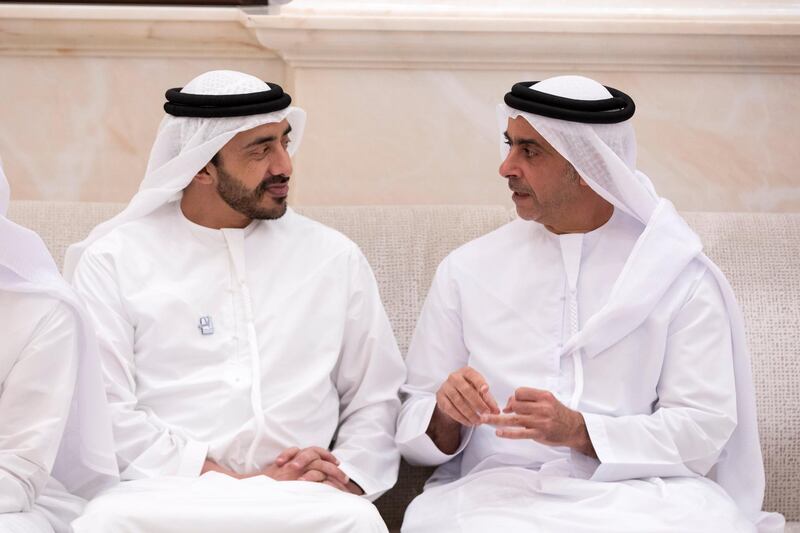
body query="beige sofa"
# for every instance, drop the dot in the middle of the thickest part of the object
(760, 253)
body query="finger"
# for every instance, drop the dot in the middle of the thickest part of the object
(460, 405)
(526, 407)
(304, 458)
(530, 394)
(507, 408)
(451, 412)
(472, 396)
(326, 455)
(489, 399)
(518, 433)
(286, 455)
(512, 420)
(314, 476)
(479, 384)
(474, 377)
(330, 470)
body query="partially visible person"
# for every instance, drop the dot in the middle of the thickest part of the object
(55, 435)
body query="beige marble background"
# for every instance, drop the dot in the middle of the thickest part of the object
(80, 128)
(709, 142)
(79, 109)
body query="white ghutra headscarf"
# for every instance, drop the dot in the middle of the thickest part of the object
(605, 157)
(86, 462)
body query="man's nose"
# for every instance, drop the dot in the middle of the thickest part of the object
(508, 168)
(281, 163)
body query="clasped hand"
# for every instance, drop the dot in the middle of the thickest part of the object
(308, 464)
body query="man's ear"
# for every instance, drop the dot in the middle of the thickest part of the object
(205, 175)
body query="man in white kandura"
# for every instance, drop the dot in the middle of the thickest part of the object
(582, 368)
(54, 437)
(251, 369)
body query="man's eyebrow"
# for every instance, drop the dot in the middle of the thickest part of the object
(268, 139)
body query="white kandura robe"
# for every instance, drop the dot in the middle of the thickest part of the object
(659, 405)
(298, 349)
(38, 368)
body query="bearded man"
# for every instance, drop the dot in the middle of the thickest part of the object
(251, 369)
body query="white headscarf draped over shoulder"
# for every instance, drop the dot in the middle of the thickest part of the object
(86, 462)
(605, 157)
(184, 145)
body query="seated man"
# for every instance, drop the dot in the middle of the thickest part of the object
(582, 368)
(52, 436)
(251, 369)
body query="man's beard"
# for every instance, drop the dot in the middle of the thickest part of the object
(248, 201)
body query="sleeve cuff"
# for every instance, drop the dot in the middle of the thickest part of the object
(617, 465)
(193, 457)
(413, 440)
(371, 489)
(596, 428)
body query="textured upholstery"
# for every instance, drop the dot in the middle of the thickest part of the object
(758, 252)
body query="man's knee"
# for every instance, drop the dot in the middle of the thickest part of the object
(104, 514)
(362, 516)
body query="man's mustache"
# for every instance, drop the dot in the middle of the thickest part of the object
(278, 179)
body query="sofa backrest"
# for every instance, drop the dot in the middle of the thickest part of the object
(760, 254)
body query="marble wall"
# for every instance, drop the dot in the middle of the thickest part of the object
(401, 95)
(80, 128)
(709, 142)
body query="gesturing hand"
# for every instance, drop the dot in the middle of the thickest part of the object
(538, 415)
(464, 397)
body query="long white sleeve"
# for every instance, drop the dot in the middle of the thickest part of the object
(436, 350)
(35, 399)
(696, 409)
(145, 446)
(368, 376)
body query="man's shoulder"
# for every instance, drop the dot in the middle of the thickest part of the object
(30, 305)
(129, 235)
(497, 243)
(320, 238)
(697, 279)
(23, 313)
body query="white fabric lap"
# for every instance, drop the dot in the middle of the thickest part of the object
(215, 502)
(58, 506)
(30, 522)
(519, 500)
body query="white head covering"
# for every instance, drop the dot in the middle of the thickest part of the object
(184, 145)
(605, 157)
(86, 461)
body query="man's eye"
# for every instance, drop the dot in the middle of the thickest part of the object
(507, 142)
(530, 153)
